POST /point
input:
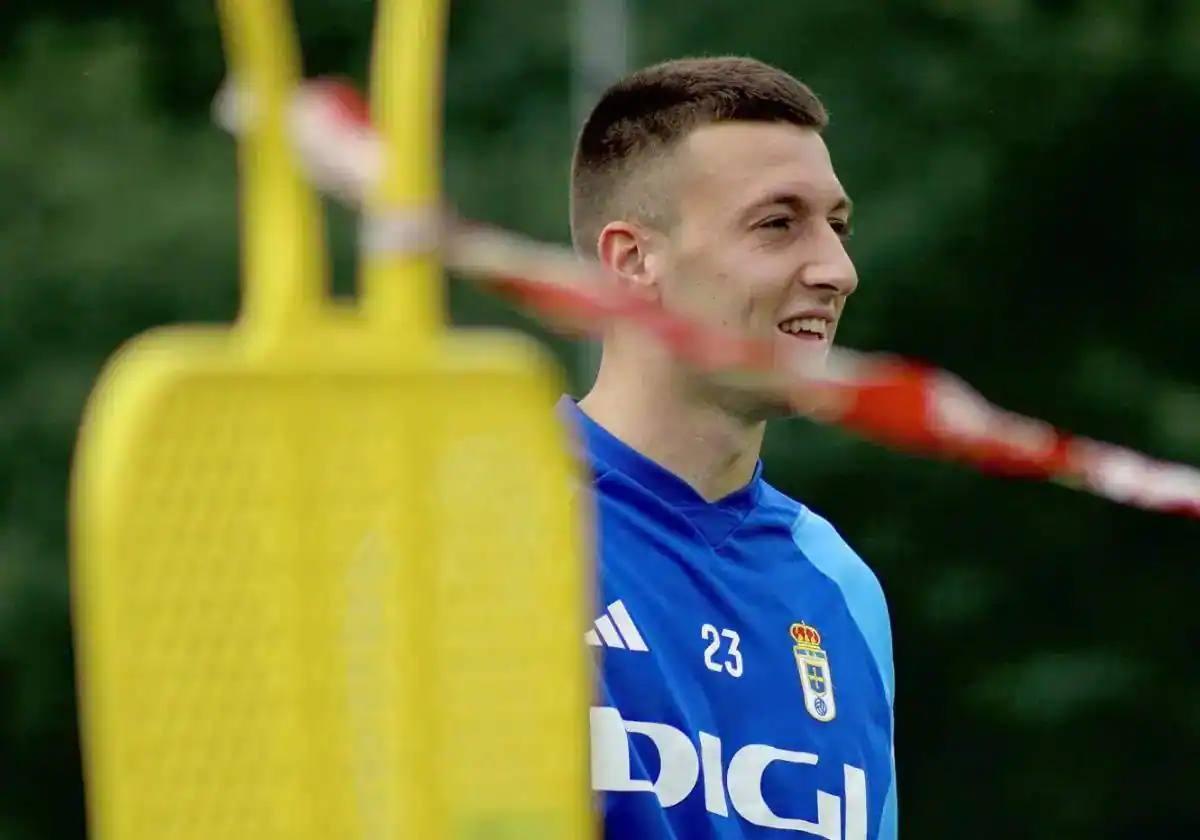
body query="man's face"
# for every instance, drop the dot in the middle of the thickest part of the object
(759, 240)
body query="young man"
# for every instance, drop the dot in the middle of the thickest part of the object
(747, 663)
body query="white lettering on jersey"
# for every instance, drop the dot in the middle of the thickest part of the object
(610, 757)
(681, 766)
(710, 761)
(855, 781)
(746, 770)
(732, 664)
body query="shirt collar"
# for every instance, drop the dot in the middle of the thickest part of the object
(605, 451)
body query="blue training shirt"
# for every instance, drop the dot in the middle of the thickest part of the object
(747, 675)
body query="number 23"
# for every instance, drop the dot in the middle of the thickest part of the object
(733, 657)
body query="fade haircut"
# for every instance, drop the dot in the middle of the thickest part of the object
(642, 117)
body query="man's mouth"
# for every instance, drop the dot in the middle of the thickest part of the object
(810, 329)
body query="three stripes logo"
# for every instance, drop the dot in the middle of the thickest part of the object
(615, 629)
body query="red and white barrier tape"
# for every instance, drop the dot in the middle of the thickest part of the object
(890, 400)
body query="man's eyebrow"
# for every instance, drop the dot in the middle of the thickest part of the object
(793, 198)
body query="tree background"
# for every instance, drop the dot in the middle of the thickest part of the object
(1025, 177)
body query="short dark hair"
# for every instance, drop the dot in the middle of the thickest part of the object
(651, 110)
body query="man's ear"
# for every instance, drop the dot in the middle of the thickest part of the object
(626, 251)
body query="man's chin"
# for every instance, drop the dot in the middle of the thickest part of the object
(804, 358)
(768, 397)
(747, 400)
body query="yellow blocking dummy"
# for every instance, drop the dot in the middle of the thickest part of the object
(328, 573)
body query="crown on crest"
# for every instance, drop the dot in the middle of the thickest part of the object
(805, 636)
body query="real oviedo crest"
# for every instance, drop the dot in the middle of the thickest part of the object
(815, 677)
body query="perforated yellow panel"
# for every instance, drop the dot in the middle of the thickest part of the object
(330, 600)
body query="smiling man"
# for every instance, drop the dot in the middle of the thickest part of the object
(747, 660)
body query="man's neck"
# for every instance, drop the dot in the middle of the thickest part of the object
(712, 450)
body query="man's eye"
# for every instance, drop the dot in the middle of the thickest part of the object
(841, 227)
(776, 223)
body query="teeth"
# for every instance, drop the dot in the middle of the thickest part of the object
(816, 326)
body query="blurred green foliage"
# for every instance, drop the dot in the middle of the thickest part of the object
(1024, 174)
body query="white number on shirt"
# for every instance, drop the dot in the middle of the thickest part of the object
(732, 660)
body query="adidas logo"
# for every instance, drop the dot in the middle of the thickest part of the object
(615, 629)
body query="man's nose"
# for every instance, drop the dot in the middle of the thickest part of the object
(830, 267)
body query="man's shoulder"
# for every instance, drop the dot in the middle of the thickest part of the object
(774, 502)
(819, 540)
(809, 528)
(824, 546)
